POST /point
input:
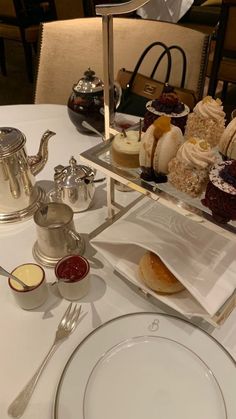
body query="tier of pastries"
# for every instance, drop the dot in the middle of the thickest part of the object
(189, 157)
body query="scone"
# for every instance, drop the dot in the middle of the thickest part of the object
(206, 121)
(154, 273)
(189, 170)
(220, 194)
(159, 145)
(125, 149)
(227, 144)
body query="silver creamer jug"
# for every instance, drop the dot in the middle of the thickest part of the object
(19, 195)
(74, 185)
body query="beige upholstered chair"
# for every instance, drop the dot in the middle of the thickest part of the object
(69, 47)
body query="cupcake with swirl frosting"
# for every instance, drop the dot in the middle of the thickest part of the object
(189, 170)
(206, 121)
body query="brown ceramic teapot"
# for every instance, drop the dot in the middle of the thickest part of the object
(86, 102)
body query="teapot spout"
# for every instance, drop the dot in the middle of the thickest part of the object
(38, 161)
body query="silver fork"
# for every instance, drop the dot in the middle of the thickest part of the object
(66, 326)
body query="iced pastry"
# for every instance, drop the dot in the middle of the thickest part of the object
(167, 104)
(206, 121)
(125, 149)
(227, 144)
(189, 170)
(159, 145)
(220, 194)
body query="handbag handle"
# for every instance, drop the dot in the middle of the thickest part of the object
(184, 63)
(166, 51)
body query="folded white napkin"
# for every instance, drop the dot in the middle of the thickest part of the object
(165, 10)
(203, 260)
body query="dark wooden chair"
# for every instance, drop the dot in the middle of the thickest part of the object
(90, 6)
(20, 21)
(222, 63)
(69, 9)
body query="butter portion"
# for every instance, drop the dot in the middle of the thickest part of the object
(30, 274)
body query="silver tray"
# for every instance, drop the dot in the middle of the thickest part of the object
(100, 158)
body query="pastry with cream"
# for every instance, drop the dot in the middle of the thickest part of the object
(220, 195)
(206, 121)
(189, 170)
(125, 149)
(227, 144)
(155, 275)
(159, 145)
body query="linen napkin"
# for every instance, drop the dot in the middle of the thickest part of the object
(202, 259)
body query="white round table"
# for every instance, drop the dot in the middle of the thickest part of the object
(27, 335)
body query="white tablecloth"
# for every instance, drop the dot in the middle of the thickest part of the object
(27, 335)
(165, 10)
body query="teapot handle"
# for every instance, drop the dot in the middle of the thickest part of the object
(118, 93)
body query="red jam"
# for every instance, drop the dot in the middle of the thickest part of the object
(72, 268)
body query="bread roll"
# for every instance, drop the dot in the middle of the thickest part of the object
(157, 276)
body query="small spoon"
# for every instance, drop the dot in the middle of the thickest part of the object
(3, 272)
(124, 133)
(91, 128)
(140, 130)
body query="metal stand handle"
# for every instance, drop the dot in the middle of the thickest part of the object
(107, 12)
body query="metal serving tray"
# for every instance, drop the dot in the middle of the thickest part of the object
(100, 158)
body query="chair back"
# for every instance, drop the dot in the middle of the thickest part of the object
(74, 45)
(23, 13)
(69, 9)
(225, 43)
(7, 9)
(230, 30)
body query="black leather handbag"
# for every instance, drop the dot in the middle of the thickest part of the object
(139, 89)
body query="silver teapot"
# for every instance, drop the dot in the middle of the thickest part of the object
(19, 195)
(74, 185)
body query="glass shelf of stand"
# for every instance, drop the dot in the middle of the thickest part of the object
(100, 158)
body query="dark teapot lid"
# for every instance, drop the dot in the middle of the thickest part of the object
(90, 83)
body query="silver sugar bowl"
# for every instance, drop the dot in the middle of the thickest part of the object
(74, 185)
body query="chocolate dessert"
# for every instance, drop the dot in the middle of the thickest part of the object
(220, 194)
(167, 104)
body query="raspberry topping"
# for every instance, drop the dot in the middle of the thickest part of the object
(168, 102)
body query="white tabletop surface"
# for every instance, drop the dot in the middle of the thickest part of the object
(27, 335)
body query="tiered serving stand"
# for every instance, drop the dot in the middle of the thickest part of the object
(99, 157)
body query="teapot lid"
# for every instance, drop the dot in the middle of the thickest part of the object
(72, 175)
(90, 83)
(11, 140)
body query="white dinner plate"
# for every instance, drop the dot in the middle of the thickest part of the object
(147, 365)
